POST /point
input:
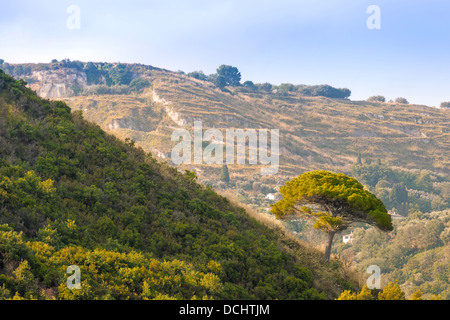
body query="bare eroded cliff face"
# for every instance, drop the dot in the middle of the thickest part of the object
(57, 84)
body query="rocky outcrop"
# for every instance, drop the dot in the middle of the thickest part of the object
(174, 115)
(57, 84)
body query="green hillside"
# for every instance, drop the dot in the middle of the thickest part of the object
(71, 194)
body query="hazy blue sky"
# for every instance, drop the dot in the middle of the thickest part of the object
(301, 42)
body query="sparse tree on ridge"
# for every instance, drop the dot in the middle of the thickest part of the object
(265, 86)
(198, 75)
(377, 99)
(249, 84)
(220, 82)
(445, 105)
(231, 75)
(401, 100)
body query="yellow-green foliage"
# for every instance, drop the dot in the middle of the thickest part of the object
(105, 274)
(417, 295)
(364, 294)
(24, 189)
(343, 197)
(392, 291)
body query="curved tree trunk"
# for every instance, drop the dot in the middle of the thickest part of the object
(326, 257)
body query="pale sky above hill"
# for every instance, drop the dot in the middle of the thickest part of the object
(300, 42)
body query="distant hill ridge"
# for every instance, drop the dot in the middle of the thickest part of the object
(146, 104)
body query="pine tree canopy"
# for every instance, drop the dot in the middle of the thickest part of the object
(334, 199)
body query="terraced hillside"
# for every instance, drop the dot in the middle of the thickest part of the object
(315, 132)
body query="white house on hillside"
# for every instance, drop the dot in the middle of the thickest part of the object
(394, 214)
(347, 238)
(270, 196)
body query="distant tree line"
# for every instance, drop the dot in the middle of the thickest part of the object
(379, 98)
(111, 74)
(445, 105)
(229, 76)
(120, 74)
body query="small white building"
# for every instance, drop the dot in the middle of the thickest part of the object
(395, 215)
(270, 196)
(347, 238)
